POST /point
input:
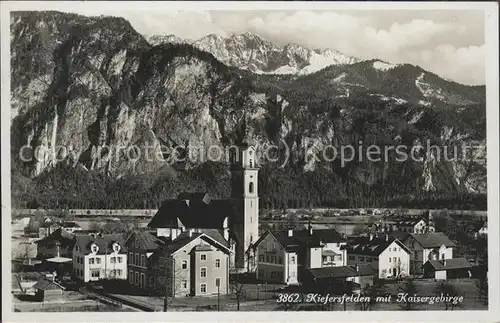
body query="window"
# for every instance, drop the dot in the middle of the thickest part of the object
(267, 258)
(273, 259)
(394, 259)
(120, 259)
(351, 257)
(280, 260)
(203, 257)
(137, 278)
(261, 273)
(118, 272)
(292, 260)
(261, 258)
(91, 261)
(130, 258)
(184, 264)
(389, 259)
(203, 272)
(113, 260)
(131, 276)
(136, 262)
(361, 258)
(217, 282)
(250, 187)
(94, 273)
(184, 284)
(203, 288)
(98, 260)
(143, 261)
(217, 263)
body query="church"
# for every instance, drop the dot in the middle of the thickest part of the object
(235, 219)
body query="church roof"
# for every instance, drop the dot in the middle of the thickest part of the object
(192, 210)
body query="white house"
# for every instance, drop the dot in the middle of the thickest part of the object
(430, 246)
(282, 256)
(388, 256)
(100, 256)
(417, 226)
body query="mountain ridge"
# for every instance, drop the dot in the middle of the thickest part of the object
(95, 82)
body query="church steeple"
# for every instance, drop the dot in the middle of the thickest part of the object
(244, 192)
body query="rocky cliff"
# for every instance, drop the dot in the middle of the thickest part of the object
(93, 93)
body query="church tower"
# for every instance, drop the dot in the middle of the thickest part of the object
(245, 199)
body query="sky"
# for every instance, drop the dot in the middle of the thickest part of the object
(449, 43)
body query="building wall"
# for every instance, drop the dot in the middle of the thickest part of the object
(314, 258)
(440, 274)
(271, 261)
(212, 272)
(394, 261)
(292, 274)
(82, 268)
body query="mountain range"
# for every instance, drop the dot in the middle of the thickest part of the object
(86, 82)
(253, 53)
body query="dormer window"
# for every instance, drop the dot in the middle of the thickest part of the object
(94, 248)
(116, 247)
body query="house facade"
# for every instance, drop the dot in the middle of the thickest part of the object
(193, 264)
(58, 243)
(430, 246)
(389, 257)
(283, 256)
(101, 256)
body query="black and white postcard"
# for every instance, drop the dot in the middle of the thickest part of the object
(254, 161)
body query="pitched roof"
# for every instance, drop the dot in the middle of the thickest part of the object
(45, 284)
(433, 240)
(374, 247)
(303, 239)
(104, 242)
(146, 239)
(65, 238)
(193, 210)
(70, 224)
(342, 271)
(409, 222)
(454, 263)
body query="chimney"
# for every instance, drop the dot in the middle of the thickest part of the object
(290, 232)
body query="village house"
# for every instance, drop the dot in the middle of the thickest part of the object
(283, 256)
(429, 246)
(70, 226)
(99, 256)
(47, 290)
(191, 264)
(140, 246)
(388, 256)
(447, 268)
(58, 243)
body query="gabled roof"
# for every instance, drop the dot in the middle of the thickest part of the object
(45, 284)
(410, 222)
(66, 239)
(301, 239)
(146, 240)
(104, 242)
(454, 263)
(192, 210)
(342, 271)
(69, 224)
(433, 240)
(374, 247)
